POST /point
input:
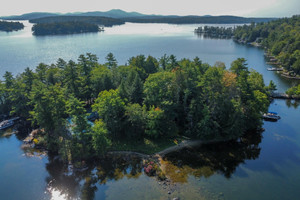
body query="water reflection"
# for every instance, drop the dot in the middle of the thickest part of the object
(56, 194)
(211, 36)
(222, 158)
(60, 182)
(292, 103)
(203, 161)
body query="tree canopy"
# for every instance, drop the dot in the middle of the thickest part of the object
(148, 98)
(10, 26)
(62, 28)
(281, 37)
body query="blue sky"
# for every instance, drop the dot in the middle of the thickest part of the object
(253, 8)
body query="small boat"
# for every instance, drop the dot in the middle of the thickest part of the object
(274, 69)
(5, 124)
(273, 116)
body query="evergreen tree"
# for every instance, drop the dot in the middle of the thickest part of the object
(111, 61)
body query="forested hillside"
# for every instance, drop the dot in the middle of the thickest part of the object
(281, 38)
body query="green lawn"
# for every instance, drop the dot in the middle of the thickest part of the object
(146, 146)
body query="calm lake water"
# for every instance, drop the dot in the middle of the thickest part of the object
(261, 166)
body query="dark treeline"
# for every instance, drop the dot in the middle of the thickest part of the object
(61, 28)
(148, 98)
(10, 26)
(281, 37)
(215, 31)
(104, 21)
(197, 20)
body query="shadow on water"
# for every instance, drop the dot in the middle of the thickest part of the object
(84, 183)
(203, 161)
(292, 103)
(68, 185)
(207, 160)
(212, 36)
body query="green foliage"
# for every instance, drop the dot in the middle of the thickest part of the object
(85, 66)
(294, 91)
(158, 88)
(80, 148)
(136, 116)
(78, 114)
(111, 108)
(101, 79)
(62, 28)
(100, 141)
(4, 109)
(111, 61)
(238, 66)
(11, 26)
(71, 78)
(92, 20)
(144, 66)
(182, 97)
(131, 88)
(49, 111)
(272, 87)
(215, 31)
(20, 94)
(6, 89)
(155, 122)
(281, 37)
(164, 61)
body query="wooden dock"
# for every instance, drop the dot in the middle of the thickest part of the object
(284, 96)
(290, 77)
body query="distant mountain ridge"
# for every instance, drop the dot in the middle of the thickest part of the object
(104, 21)
(29, 16)
(197, 19)
(137, 17)
(114, 13)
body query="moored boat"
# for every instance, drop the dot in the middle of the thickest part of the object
(274, 69)
(273, 116)
(6, 124)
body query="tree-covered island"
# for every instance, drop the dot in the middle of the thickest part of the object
(58, 25)
(10, 26)
(215, 31)
(147, 102)
(63, 28)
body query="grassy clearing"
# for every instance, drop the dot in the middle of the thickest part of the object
(146, 146)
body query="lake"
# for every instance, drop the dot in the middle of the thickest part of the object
(260, 166)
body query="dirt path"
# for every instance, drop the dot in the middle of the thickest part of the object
(182, 145)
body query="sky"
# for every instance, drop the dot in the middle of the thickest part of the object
(246, 8)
